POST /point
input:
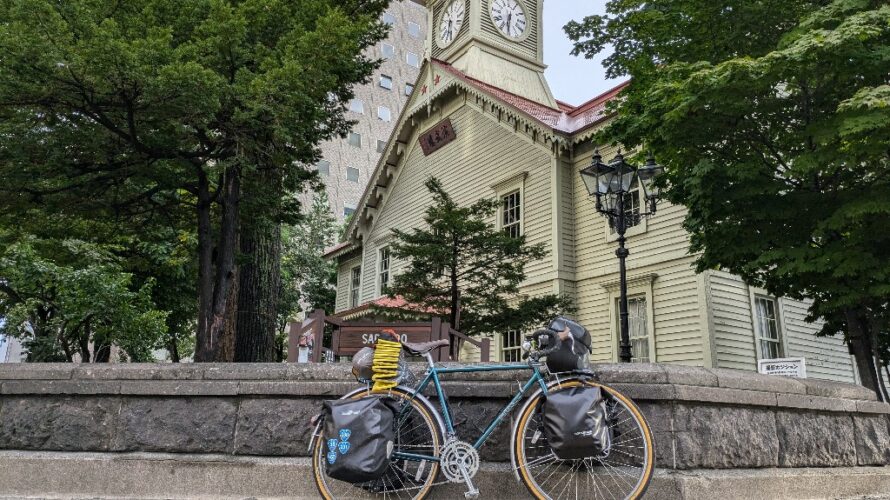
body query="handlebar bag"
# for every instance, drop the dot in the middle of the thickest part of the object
(574, 352)
(359, 437)
(576, 423)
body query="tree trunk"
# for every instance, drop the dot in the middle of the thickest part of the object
(216, 271)
(226, 351)
(259, 273)
(860, 345)
(203, 351)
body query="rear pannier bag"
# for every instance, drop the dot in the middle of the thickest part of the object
(576, 423)
(574, 352)
(358, 436)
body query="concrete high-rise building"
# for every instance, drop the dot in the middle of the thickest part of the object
(348, 163)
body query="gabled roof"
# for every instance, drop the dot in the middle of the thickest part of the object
(563, 127)
(567, 119)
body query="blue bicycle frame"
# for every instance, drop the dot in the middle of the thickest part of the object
(432, 375)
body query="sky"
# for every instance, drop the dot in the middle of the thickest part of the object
(572, 79)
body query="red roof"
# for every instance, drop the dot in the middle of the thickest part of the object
(336, 248)
(386, 302)
(568, 119)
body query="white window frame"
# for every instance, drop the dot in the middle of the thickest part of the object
(379, 286)
(502, 188)
(380, 109)
(385, 78)
(640, 228)
(349, 138)
(637, 286)
(358, 175)
(503, 348)
(408, 59)
(361, 105)
(407, 87)
(381, 146)
(355, 289)
(383, 18)
(392, 50)
(419, 30)
(759, 293)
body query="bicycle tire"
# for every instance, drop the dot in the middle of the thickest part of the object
(536, 465)
(420, 419)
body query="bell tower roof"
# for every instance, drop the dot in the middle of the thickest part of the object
(498, 42)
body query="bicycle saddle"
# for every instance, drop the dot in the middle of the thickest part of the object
(421, 348)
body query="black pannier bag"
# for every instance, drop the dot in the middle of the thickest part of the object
(574, 352)
(576, 423)
(359, 437)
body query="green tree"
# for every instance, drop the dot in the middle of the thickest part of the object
(163, 105)
(773, 119)
(70, 298)
(461, 268)
(308, 281)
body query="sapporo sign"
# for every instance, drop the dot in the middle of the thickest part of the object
(437, 137)
(786, 367)
(350, 339)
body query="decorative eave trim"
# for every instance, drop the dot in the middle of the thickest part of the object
(509, 180)
(642, 280)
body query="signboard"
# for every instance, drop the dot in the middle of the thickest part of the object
(348, 340)
(786, 367)
(437, 137)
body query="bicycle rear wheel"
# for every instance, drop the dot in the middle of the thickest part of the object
(417, 432)
(622, 472)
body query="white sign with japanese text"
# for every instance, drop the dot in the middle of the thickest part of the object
(786, 367)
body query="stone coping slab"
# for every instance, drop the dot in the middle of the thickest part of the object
(198, 476)
(652, 382)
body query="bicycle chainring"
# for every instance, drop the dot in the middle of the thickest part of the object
(458, 456)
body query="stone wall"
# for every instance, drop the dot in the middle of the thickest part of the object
(702, 418)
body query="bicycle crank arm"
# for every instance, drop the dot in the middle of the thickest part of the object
(472, 491)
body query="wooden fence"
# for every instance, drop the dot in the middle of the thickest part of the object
(349, 337)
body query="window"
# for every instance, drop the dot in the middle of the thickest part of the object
(414, 30)
(638, 327)
(386, 82)
(357, 106)
(409, 89)
(383, 113)
(389, 18)
(383, 262)
(351, 174)
(323, 167)
(412, 59)
(381, 146)
(766, 327)
(388, 51)
(511, 345)
(511, 214)
(355, 282)
(631, 207)
(354, 139)
(347, 211)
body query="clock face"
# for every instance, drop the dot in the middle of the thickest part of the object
(452, 20)
(509, 17)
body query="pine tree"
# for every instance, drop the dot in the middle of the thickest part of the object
(462, 268)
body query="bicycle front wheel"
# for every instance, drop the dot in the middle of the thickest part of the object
(417, 432)
(623, 471)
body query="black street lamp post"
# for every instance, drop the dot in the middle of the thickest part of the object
(613, 183)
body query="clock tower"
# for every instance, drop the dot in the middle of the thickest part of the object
(498, 42)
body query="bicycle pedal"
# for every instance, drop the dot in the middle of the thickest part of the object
(471, 494)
